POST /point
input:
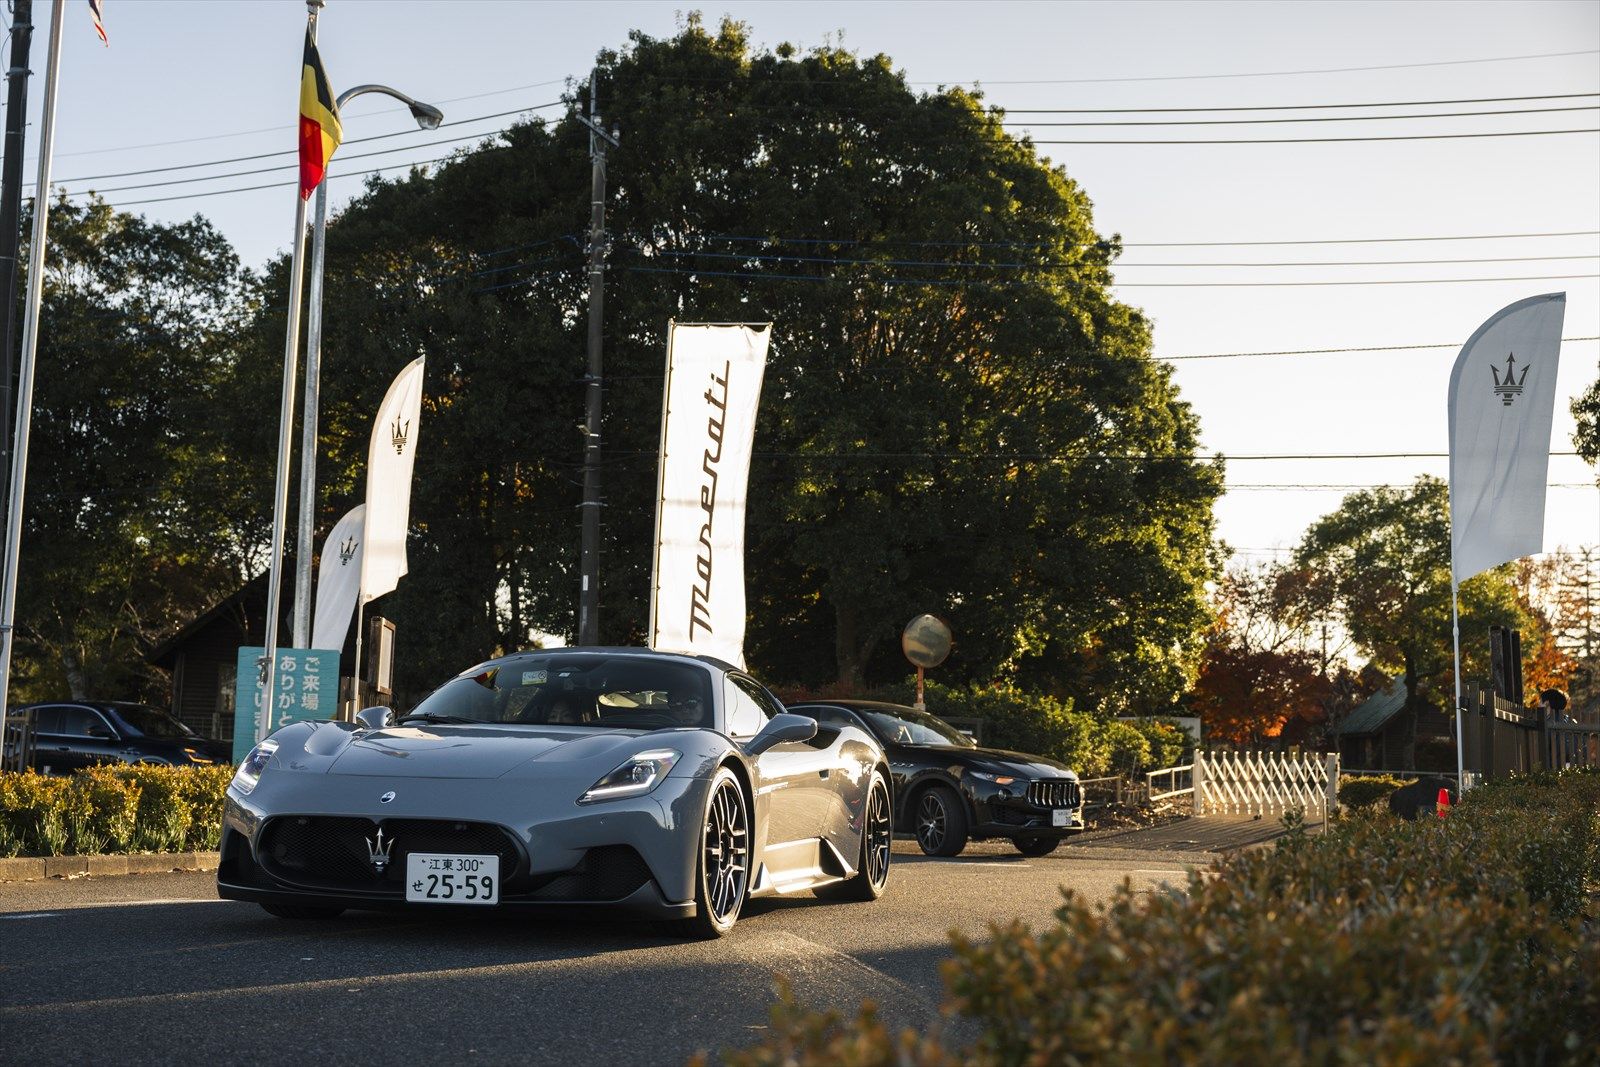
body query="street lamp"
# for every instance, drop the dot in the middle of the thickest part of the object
(428, 118)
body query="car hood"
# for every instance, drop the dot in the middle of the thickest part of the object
(442, 751)
(1003, 761)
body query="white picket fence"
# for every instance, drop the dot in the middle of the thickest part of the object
(1253, 783)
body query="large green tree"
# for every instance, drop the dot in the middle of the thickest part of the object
(957, 417)
(1384, 559)
(138, 511)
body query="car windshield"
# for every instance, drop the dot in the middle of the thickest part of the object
(585, 689)
(906, 726)
(152, 722)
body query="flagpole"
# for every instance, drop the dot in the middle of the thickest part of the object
(280, 492)
(30, 346)
(1455, 631)
(355, 682)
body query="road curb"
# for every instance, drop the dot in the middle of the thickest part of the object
(1146, 855)
(38, 868)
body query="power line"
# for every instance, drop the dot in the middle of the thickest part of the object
(285, 183)
(1141, 244)
(1332, 351)
(1357, 486)
(1273, 73)
(295, 151)
(290, 166)
(866, 279)
(291, 126)
(1283, 107)
(1339, 140)
(1317, 118)
(1063, 265)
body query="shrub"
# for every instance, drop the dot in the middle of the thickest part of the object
(112, 809)
(1369, 791)
(101, 808)
(1130, 750)
(1456, 940)
(1169, 742)
(165, 811)
(31, 806)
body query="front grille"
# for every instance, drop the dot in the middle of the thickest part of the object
(1054, 793)
(604, 874)
(331, 852)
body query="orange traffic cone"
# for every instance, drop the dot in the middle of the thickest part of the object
(1442, 807)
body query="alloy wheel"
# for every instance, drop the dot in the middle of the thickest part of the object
(930, 822)
(727, 850)
(880, 836)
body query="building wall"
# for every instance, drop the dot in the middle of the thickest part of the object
(202, 691)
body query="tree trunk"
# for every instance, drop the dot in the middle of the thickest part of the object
(846, 648)
(77, 680)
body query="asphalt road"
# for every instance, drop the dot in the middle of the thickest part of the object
(154, 969)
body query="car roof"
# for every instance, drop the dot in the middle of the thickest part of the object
(608, 650)
(855, 705)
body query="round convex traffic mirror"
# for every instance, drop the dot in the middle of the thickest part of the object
(926, 641)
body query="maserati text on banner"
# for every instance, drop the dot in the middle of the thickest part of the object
(708, 425)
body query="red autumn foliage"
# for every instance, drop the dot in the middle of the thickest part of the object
(1245, 696)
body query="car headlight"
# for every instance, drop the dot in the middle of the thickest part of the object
(249, 772)
(997, 779)
(636, 777)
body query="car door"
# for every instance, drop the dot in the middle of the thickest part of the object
(53, 751)
(89, 736)
(786, 779)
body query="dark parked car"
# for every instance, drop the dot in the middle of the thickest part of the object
(948, 791)
(69, 735)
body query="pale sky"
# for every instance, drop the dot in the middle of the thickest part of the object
(221, 78)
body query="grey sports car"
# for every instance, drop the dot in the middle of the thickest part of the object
(666, 786)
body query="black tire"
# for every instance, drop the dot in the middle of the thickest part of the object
(1036, 846)
(302, 912)
(722, 869)
(940, 820)
(877, 841)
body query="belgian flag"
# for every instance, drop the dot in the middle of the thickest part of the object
(320, 132)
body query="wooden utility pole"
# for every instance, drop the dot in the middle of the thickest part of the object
(589, 560)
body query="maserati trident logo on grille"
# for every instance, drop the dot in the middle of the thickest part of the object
(386, 797)
(378, 851)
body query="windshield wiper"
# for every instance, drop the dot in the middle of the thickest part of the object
(428, 716)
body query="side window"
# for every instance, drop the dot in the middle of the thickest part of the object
(47, 720)
(829, 716)
(81, 722)
(746, 715)
(769, 703)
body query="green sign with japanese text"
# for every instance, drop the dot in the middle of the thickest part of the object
(306, 687)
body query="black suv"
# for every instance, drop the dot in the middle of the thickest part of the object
(69, 735)
(947, 790)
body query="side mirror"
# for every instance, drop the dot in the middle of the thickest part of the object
(375, 718)
(780, 729)
(100, 733)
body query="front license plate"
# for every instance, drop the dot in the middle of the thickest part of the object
(447, 878)
(1061, 817)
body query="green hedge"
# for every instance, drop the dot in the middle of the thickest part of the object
(112, 809)
(1041, 724)
(1370, 790)
(1468, 939)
